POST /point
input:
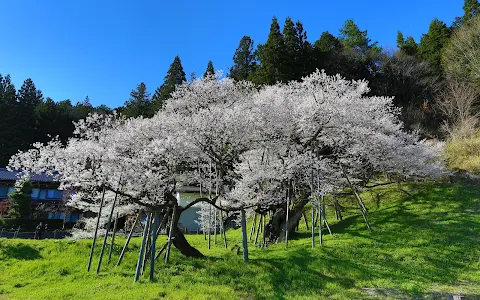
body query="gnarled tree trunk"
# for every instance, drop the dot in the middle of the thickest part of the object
(275, 228)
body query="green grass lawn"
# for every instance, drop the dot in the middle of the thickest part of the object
(425, 244)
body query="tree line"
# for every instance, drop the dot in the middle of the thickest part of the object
(417, 74)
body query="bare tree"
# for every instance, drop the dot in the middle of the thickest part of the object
(461, 58)
(459, 102)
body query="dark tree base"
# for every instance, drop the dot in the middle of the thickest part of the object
(181, 243)
(275, 229)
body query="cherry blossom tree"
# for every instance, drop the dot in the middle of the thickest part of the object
(272, 149)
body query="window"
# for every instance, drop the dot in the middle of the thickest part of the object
(3, 191)
(74, 217)
(35, 193)
(57, 216)
(54, 194)
(42, 195)
(10, 190)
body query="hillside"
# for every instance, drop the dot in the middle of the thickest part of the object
(424, 244)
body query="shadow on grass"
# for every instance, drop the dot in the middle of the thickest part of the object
(298, 274)
(20, 251)
(425, 237)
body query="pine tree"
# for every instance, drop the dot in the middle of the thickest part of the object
(362, 56)
(271, 56)
(243, 60)
(82, 109)
(28, 98)
(139, 103)
(306, 54)
(175, 76)
(432, 43)
(210, 71)
(406, 46)
(471, 8)
(9, 130)
(328, 54)
(291, 69)
(46, 114)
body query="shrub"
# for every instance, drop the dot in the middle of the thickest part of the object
(464, 154)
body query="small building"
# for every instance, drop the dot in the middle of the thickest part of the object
(46, 197)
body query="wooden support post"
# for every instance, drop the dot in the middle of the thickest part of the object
(161, 250)
(312, 208)
(147, 245)
(96, 230)
(286, 221)
(264, 244)
(244, 236)
(320, 234)
(170, 235)
(305, 219)
(252, 229)
(325, 218)
(156, 224)
(139, 215)
(142, 250)
(337, 208)
(209, 225)
(222, 227)
(258, 228)
(106, 233)
(214, 226)
(113, 239)
(363, 210)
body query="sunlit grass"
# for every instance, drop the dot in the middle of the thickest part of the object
(425, 242)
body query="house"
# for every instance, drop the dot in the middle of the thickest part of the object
(46, 196)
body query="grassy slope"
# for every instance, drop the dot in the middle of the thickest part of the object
(425, 244)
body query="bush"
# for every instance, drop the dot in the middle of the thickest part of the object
(464, 154)
(28, 225)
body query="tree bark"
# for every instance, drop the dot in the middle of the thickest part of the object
(181, 243)
(277, 225)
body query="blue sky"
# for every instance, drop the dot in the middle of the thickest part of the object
(103, 49)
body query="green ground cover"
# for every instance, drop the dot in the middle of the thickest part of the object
(425, 244)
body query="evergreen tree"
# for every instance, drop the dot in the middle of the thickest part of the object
(9, 130)
(210, 71)
(432, 43)
(306, 53)
(175, 76)
(291, 68)
(408, 46)
(271, 56)
(48, 124)
(357, 41)
(20, 201)
(362, 56)
(139, 103)
(28, 98)
(400, 39)
(243, 60)
(471, 8)
(82, 109)
(328, 54)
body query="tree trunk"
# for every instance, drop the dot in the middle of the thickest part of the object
(181, 243)
(277, 224)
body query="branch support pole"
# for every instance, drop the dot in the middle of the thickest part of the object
(244, 236)
(96, 230)
(128, 239)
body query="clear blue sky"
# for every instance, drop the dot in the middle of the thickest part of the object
(103, 49)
